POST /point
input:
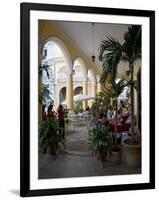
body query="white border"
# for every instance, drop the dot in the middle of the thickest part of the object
(86, 181)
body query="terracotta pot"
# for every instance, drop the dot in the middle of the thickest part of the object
(100, 156)
(116, 157)
(132, 154)
(51, 150)
(43, 150)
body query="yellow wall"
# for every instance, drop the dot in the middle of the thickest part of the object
(49, 29)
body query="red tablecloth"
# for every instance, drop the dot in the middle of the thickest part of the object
(120, 127)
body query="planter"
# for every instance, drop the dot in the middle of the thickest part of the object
(116, 156)
(132, 154)
(100, 156)
(51, 150)
(43, 151)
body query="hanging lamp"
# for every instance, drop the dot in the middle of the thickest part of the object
(93, 56)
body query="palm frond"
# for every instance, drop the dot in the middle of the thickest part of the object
(104, 92)
(106, 75)
(118, 88)
(110, 55)
(132, 44)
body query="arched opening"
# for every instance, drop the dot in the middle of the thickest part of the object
(79, 68)
(80, 75)
(63, 50)
(79, 71)
(62, 96)
(78, 105)
(78, 90)
(57, 63)
(91, 81)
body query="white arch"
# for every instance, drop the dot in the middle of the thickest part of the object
(63, 48)
(82, 65)
(61, 89)
(78, 86)
(62, 86)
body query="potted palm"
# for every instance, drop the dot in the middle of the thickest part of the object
(111, 53)
(96, 105)
(113, 91)
(116, 89)
(100, 141)
(50, 136)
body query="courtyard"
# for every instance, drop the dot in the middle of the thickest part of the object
(89, 101)
(76, 159)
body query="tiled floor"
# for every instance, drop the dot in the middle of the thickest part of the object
(76, 160)
(77, 137)
(66, 165)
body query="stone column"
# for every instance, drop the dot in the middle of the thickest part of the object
(69, 92)
(85, 92)
(94, 89)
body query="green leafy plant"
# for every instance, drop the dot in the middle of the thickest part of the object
(112, 52)
(78, 106)
(50, 134)
(42, 87)
(116, 89)
(100, 140)
(96, 105)
(113, 91)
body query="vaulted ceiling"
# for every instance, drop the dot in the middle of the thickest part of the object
(81, 34)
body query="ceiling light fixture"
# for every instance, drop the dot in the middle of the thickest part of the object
(93, 56)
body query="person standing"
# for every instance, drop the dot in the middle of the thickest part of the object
(110, 113)
(50, 112)
(61, 118)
